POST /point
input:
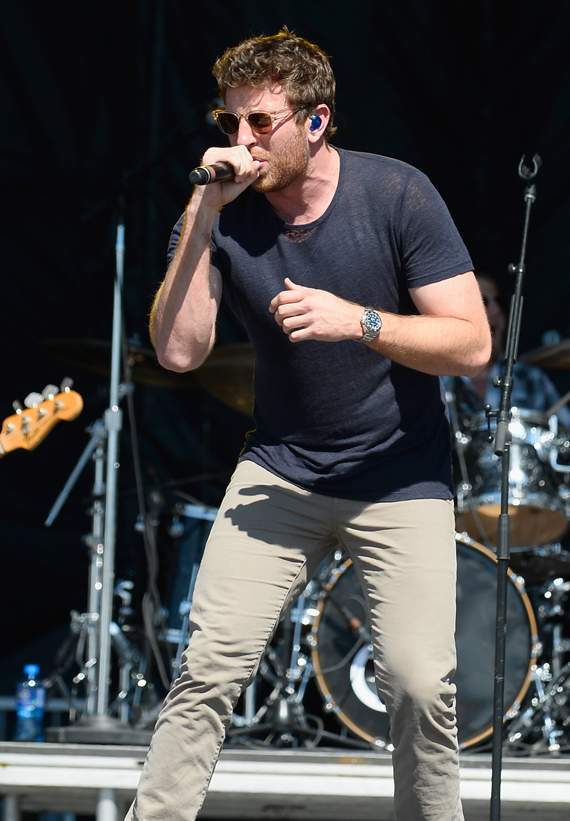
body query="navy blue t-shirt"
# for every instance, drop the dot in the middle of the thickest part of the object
(337, 417)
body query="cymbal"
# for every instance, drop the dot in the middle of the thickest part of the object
(227, 374)
(95, 355)
(555, 356)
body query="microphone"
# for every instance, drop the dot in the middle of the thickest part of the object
(218, 172)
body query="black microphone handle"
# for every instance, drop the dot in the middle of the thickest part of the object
(217, 172)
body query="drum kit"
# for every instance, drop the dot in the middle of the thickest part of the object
(316, 681)
(334, 647)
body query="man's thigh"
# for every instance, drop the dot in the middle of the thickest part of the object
(404, 555)
(267, 542)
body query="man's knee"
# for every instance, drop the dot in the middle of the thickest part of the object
(419, 692)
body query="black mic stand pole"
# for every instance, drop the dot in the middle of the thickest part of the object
(502, 443)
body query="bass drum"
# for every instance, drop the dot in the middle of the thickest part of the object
(344, 666)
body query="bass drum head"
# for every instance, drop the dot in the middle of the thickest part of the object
(344, 667)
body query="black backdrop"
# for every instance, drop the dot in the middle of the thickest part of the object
(110, 99)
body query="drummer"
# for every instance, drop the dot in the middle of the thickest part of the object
(532, 389)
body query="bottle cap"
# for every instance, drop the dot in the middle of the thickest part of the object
(31, 670)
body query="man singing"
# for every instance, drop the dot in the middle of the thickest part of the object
(357, 293)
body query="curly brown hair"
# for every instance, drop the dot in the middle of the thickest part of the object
(301, 68)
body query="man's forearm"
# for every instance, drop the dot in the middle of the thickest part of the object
(183, 315)
(442, 346)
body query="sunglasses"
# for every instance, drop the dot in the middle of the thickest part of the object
(261, 122)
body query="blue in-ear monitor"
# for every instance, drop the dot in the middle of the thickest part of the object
(315, 122)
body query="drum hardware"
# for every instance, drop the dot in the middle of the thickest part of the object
(552, 608)
(544, 727)
(464, 491)
(129, 656)
(282, 718)
(538, 507)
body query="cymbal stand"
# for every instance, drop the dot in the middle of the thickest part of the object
(113, 424)
(98, 726)
(86, 626)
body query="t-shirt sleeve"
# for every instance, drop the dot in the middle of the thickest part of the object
(175, 236)
(430, 245)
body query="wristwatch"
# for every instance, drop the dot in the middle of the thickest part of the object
(372, 323)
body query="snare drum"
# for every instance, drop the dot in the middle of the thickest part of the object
(346, 679)
(537, 512)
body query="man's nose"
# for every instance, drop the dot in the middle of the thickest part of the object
(245, 135)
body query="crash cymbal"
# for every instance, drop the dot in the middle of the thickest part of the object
(95, 355)
(550, 356)
(227, 374)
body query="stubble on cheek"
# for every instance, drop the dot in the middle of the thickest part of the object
(285, 165)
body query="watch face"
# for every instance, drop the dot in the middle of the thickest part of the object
(372, 323)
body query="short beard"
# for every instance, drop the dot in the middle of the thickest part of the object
(284, 166)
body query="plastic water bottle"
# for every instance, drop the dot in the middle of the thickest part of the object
(30, 704)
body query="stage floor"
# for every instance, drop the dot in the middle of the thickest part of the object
(273, 784)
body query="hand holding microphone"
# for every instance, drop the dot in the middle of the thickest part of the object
(217, 172)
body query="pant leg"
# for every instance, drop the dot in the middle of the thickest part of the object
(267, 541)
(405, 557)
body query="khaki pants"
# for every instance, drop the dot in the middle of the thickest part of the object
(268, 540)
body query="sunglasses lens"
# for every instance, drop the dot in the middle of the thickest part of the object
(228, 122)
(260, 122)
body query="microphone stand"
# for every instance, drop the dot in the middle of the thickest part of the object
(502, 446)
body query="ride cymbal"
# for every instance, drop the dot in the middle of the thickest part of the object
(550, 356)
(227, 374)
(95, 355)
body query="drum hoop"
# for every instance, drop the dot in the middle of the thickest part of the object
(534, 642)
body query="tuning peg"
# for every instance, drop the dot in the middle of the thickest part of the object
(50, 391)
(66, 384)
(33, 399)
(18, 407)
